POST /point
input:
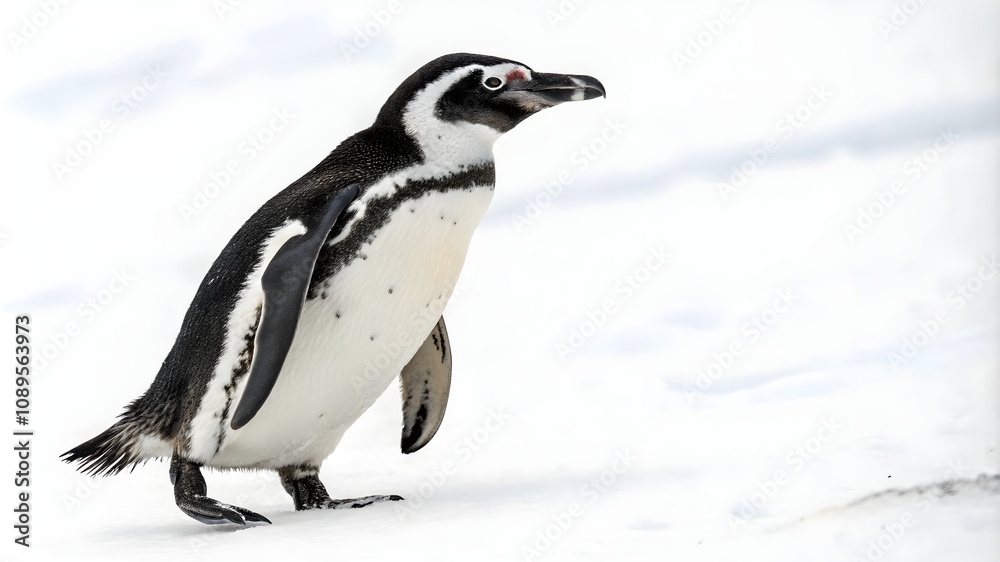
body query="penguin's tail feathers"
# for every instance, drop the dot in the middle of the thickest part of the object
(114, 450)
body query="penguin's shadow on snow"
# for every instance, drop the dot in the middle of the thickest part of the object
(197, 535)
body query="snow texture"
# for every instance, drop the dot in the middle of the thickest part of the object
(648, 364)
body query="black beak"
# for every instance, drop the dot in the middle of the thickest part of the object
(550, 89)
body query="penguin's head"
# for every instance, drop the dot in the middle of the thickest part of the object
(457, 105)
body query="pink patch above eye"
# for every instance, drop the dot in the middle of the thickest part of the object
(515, 74)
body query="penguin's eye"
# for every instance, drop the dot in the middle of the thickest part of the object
(493, 82)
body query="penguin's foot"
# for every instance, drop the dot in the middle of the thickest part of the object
(189, 493)
(303, 484)
(357, 502)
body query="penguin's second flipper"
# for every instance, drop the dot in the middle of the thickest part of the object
(285, 282)
(426, 380)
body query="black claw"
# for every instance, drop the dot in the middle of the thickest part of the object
(255, 517)
(234, 516)
(395, 498)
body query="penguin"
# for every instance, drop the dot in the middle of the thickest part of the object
(329, 292)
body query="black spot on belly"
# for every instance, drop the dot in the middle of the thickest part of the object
(337, 314)
(371, 338)
(390, 290)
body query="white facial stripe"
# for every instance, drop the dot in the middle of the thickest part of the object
(459, 146)
(441, 141)
(446, 144)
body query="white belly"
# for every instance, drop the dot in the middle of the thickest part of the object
(338, 366)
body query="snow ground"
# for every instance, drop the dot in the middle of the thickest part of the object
(628, 435)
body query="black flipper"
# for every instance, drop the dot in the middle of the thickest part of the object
(426, 380)
(285, 282)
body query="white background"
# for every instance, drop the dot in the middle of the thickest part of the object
(767, 460)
